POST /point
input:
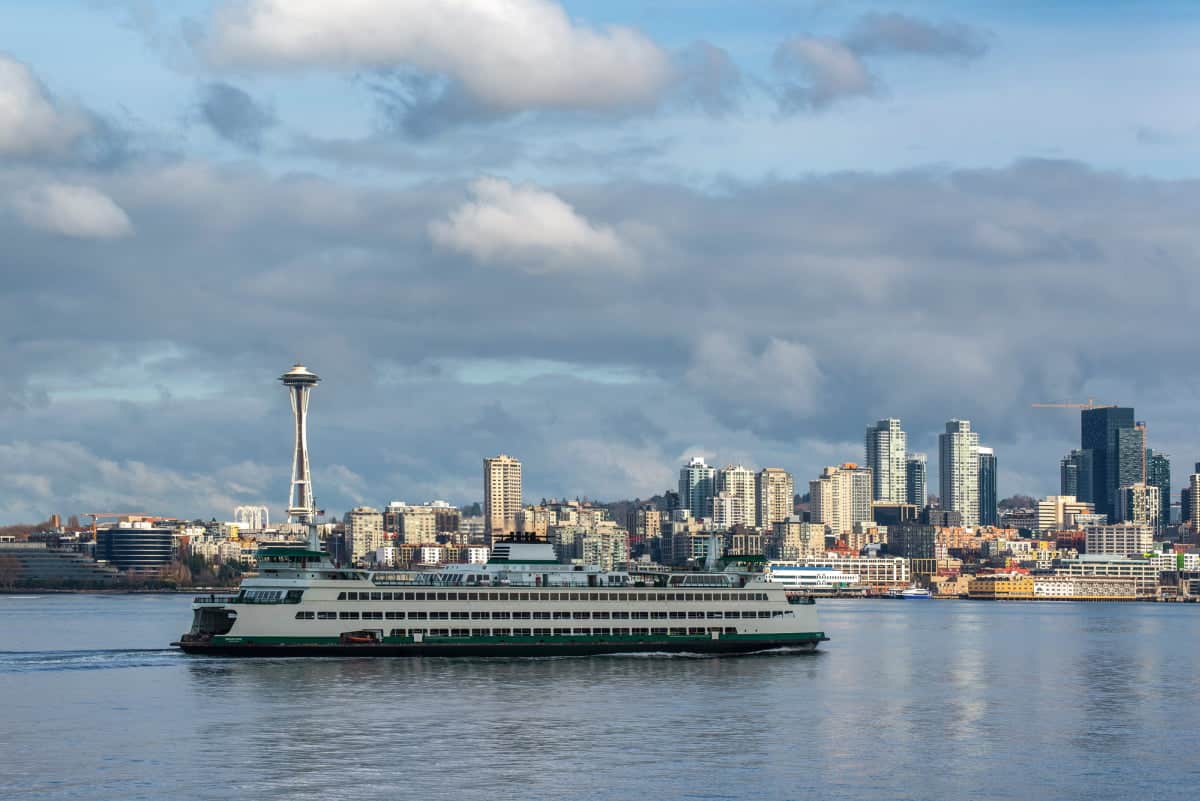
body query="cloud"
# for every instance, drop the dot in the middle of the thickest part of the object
(72, 210)
(31, 123)
(828, 71)
(530, 228)
(899, 33)
(782, 378)
(709, 78)
(234, 115)
(508, 55)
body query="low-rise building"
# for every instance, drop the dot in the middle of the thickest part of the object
(1084, 588)
(1001, 587)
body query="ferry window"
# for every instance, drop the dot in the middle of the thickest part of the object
(594, 596)
(553, 596)
(394, 615)
(762, 596)
(620, 615)
(439, 615)
(764, 614)
(377, 596)
(581, 615)
(603, 632)
(777, 613)
(439, 632)
(677, 632)
(305, 615)
(387, 596)
(578, 596)
(348, 615)
(639, 615)
(420, 596)
(372, 615)
(352, 596)
(481, 616)
(501, 632)
(731, 630)
(459, 615)
(732, 614)
(341, 596)
(562, 615)
(501, 615)
(523, 597)
(472, 596)
(695, 614)
(640, 631)
(687, 596)
(696, 630)
(520, 615)
(560, 632)
(522, 632)
(408, 596)
(658, 615)
(620, 632)
(397, 633)
(541, 632)
(441, 596)
(678, 615)
(600, 615)
(541, 615)
(460, 632)
(493, 596)
(661, 596)
(418, 615)
(658, 631)
(326, 615)
(714, 614)
(708, 596)
(416, 631)
(584, 632)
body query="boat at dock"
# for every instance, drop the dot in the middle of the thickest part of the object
(523, 602)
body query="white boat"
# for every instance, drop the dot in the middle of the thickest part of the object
(910, 593)
(521, 603)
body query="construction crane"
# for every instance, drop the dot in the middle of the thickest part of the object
(128, 515)
(1091, 404)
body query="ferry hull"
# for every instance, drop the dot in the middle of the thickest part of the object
(515, 649)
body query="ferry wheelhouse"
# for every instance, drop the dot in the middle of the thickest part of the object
(523, 602)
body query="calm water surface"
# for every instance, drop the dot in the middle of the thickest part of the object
(910, 700)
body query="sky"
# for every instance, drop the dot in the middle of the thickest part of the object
(600, 237)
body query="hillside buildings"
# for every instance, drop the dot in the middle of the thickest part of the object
(775, 493)
(841, 497)
(958, 466)
(697, 483)
(501, 495)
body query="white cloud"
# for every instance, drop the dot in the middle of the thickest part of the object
(783, 378)
(533, 229)
(30, 123)
(72, 210)
(508, 54)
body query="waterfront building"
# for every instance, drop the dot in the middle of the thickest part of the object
(988, 510)
(1058, 512)
(841, 497)
(1106, 433)
(958, 466)
(1075, 475)
(364, 530)
(739, 482)
(135, 546)
(501, 495)
(1118, 539)
(697, 482)
(1139, 504)
(775, 494)
(886, 445)
(1001, 587)
(916, 476)
(33, 564)
(1141, 571)
(1084, 588)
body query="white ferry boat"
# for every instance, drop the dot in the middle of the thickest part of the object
(521, 603)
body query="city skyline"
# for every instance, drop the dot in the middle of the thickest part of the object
(738, 251)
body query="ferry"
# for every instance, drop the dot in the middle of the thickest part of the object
(522, 602)
(910, 593)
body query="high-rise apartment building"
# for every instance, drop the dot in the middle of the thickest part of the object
(1100, 432)
(697, 483)
(364, 531)
(1058, 512)
(1158, 474)
(501, 495)
(1192, 510)
(916, 470)
(958, 469)
(1075, 475)
(738, 481)
(775, 494)
(886, 445)
(841, 497)
(1139, 504)
(989, 513)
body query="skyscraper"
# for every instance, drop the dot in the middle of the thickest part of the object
(841, 497)
(1158, 474)
(738, 481)
(916, 470)
(775, 492)
(958, 470)
(302, 507)
(696, 485)
(1192, 511)
(1099, 432)
(501, 495)
(1138, 504)
(989, 514)
(886, 444)
(1075, 475)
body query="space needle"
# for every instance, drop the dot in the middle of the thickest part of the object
(301, 506)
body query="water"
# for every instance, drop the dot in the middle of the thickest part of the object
(910, 700)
